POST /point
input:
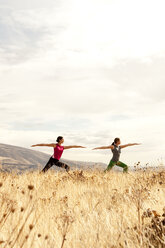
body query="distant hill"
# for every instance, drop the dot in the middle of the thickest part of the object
(23, 159)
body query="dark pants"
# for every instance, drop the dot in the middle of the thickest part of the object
(53, 161)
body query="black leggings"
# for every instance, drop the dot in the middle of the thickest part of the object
(53, 161)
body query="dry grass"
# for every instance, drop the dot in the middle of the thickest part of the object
(82, 209)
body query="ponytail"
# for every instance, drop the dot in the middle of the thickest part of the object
(115, 141)
(59, 138)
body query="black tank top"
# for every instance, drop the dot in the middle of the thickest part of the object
(116, 153)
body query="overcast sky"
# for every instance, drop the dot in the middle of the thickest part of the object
(89, 70)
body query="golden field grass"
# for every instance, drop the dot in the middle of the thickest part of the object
(89, 209)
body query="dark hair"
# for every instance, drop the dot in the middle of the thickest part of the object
(115, 141)
(59, 138)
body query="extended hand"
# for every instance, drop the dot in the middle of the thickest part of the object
(33, 145)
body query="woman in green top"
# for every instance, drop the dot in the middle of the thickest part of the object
(116, 150)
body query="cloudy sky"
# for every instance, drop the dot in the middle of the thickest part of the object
(89, 70)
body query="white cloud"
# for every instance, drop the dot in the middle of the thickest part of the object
(89, 70)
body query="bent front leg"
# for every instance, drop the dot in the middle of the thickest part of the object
(122, 165)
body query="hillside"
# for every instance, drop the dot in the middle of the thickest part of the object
(22, 159)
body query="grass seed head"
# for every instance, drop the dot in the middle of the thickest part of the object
(22, 209)
(31, 226)
(30, 187)
(4, 215)
(12, 210)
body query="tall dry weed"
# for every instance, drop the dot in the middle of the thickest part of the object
(89, 209)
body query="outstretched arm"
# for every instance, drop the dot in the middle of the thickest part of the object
(132, 144)
(104, 147)
(69, 147)
(50, 145)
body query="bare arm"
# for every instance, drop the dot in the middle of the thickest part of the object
(104, 147)
(50, 145)
(132, 144)
(69, 147)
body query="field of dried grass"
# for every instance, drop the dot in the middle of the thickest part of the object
(89, 209)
